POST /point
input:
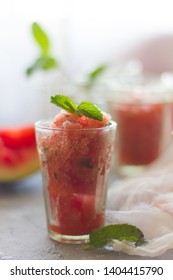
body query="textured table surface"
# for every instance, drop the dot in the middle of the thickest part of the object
(23, 233)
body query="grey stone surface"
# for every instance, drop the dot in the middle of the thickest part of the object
(23, 233)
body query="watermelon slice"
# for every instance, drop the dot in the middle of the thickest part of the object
(18, 153)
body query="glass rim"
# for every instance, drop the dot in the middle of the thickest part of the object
(41, 124)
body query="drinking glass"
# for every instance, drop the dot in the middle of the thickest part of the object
(144, 126)
(75, 164)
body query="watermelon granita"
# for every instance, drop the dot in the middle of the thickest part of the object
(143, 133)
(75, 154)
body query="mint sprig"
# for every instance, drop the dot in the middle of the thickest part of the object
(98, 238)
(64, 102)
(45, 61)
(85, 108)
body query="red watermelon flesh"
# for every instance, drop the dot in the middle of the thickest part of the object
(18, 153)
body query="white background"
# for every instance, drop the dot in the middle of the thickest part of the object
(83, 34)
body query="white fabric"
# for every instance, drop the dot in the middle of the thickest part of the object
(146, 202)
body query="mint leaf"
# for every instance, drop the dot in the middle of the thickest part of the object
(92, 76)
(41, 38)
(64, 102)
(85, 108)
(44, 62)
(89, 110)
(96, 72)
(98, 238)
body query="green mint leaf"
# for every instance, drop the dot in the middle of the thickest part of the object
(98, 238)
(108, 124)
(97, 72)
(42, 63)
(92, 76)
(89, 110)
(85, 108)
(41, 38)
(45, 61)
(64, 102)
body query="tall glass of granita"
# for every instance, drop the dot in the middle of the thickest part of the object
(75, 156)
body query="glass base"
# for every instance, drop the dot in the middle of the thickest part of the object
(72, 239)
(130, 170)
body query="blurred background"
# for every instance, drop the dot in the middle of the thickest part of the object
(83, 35)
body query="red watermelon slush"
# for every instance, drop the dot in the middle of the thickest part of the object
(140, 132)
(144, 131)
(75, 154)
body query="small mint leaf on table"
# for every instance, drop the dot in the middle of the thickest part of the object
(98, 238)
(64, 102)
(89, 110)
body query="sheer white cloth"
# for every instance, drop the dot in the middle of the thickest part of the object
(146, 202)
